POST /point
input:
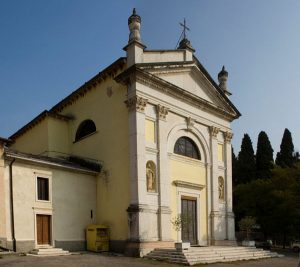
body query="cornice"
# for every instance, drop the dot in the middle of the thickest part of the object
(157, 83)
(184, 184)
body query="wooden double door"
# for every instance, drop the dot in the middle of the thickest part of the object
(189, 217)
(43, 229)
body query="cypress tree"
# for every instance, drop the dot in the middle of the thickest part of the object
(246, 161)
(234, 167)
(264, 156)
(285, 157)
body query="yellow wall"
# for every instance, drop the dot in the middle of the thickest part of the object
(220, 152)
(192, 172)
(109, 145)
(35, 141)
(58, 142)
(150, 131)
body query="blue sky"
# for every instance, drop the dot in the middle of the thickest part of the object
(50, 48)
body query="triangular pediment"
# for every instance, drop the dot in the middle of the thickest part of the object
(190, 78)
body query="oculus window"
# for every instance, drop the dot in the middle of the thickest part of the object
(186, 147)
(85, 128)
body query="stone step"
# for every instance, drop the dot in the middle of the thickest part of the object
(43, 252)
(205, 255)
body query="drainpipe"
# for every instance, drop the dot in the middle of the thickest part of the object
(12, 205)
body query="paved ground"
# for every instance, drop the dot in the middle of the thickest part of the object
(91, 260)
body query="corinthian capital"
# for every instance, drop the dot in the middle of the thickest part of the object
(162, 112)
(214, 131)
(228, 136)
(136, 103)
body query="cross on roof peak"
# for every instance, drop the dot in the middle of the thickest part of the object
(185, 28)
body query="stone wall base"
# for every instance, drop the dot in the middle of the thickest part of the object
(76, 245)
(140, 249)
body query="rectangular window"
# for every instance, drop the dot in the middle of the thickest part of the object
(150, 131)
(220, 152)
(42, 188)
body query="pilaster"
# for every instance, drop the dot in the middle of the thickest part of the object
(214, 182)
(230, 232)
(164, 212)
(136, 107)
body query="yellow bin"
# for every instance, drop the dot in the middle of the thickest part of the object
(97, 237)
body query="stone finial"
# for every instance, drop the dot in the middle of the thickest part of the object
(223, 77)
(134, 25)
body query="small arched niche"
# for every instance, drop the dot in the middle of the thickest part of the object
(221, 188)
(85, 128)
(151, 176)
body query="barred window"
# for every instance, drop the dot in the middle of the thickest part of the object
(186, 147)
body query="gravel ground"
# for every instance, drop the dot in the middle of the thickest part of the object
(91, 260)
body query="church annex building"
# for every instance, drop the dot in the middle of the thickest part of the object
(145, 140)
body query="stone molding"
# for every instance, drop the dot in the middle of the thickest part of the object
(135, 208)
(136, 103)
(162, 112)
(164, 210)
(188, 185)
(214, 131)
(228, 136)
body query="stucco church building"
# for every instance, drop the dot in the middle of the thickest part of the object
(145, 140)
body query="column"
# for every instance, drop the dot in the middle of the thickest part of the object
(164, 188)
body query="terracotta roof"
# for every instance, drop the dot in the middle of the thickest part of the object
(5, 141)
(69, 162)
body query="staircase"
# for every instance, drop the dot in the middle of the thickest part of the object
(49, 251)
(213, 254)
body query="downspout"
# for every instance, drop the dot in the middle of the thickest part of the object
(12, 205)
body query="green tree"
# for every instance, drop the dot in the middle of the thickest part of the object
(275, 203)
(246, 161)
(234, 167)
(285, 157)
(264, 156)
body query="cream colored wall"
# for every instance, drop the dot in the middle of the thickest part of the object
(34, 141)
(191, 171)
(73, 198)
(109, 145)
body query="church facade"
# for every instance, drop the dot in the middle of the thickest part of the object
(143, 143)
